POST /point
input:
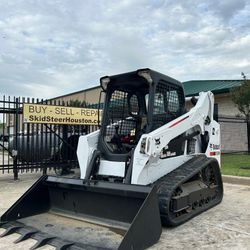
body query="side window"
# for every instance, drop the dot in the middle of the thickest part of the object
(134, 105)
(159, 105)
(173, 101)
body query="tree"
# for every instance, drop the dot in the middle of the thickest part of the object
(241, 97)
(77, 103)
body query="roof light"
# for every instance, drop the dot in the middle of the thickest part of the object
(145, 74)
(104, 82)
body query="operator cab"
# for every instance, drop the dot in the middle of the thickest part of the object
(136, 103)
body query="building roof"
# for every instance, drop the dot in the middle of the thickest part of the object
(193, 87)
(77, 92)
(216, 86)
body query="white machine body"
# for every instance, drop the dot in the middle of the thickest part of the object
(148, 163)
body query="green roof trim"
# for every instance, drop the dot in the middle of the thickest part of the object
(216, 86)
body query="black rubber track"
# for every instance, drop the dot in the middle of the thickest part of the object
(168, 183)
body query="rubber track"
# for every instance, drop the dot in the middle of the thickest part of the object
(168, 183)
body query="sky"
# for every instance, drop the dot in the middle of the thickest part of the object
(50, 48)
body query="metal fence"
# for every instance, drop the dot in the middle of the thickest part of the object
(28, 147)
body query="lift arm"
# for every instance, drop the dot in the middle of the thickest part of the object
(200, 115)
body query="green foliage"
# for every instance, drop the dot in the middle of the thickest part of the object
(77, 103)
(1, 127)
(241, 97)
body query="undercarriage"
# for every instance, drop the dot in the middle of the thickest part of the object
(189, 190)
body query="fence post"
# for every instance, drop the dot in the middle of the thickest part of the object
(15, 144)
(65, 137)
(248, 135)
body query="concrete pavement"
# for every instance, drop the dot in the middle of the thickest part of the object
(226, 226)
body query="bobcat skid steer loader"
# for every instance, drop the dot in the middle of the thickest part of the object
(150, 163)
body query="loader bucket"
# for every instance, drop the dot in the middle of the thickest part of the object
(77, 214)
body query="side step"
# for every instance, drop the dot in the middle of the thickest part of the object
(76, 214)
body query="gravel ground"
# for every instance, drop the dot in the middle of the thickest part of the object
(226, 226)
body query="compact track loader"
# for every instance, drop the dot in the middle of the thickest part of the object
(150, 163)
